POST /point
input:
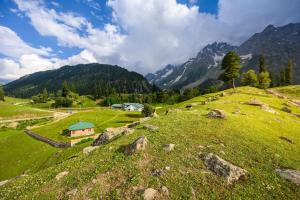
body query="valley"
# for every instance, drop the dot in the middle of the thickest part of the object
(252, 137)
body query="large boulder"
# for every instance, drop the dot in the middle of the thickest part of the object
(255, 102)
(138, 145)
(149, 194)
(111, 133)
(224, 168)
(216, 113)
(289, 174)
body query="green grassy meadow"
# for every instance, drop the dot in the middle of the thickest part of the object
(249, 138)
(291, 91)
(101, 117)
(13, 108)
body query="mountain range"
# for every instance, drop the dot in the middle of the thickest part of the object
(276, 44)
(81, 78)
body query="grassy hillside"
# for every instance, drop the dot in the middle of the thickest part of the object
(292, 91)
(250, 138)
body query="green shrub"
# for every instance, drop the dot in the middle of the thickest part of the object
(147, 111)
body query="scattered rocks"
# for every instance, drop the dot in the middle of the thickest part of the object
(286, 109)
(89, 149)
(255, 102)
(290, 174)
(224, 168)
(167, 168)
(216, 113)
(157, 172)
(169, 147)
(72, 192)
(138, 145)
(151, 127)
(61, 175)
(165, 190)
(149, 194)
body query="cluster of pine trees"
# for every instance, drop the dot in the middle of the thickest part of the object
(231, 64)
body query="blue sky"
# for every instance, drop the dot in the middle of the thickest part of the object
(141, 35)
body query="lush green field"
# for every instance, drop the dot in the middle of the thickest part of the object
(101, 117)
(13, 108)
(249, 138)
(292, 91)
(19, 153)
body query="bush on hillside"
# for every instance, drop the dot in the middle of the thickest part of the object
(148, 111)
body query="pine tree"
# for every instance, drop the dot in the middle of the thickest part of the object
(65, 89)
(272, 84)
(2, 94)
(231, 63)
(264, 80)
(250, 78)
(282, 77)
(262, 67)
(289, 73)
(45, 95)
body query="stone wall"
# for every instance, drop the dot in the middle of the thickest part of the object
(47, 140)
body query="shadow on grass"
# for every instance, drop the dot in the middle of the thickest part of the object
(134, 115)
(65, 132)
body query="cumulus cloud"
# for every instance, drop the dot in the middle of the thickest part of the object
(13, 46)
(155, 33)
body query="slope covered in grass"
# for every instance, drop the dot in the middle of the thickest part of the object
(292, 91)
(250, 138)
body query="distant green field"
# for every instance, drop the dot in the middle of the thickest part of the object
(102, 118)
(14, 108)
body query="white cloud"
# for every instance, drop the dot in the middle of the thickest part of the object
(13, 46)
(156, 32)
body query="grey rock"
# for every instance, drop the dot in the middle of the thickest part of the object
(224, 168)
(165, 190)
(169, 147)
(151, 127)
(72, 192)
(290, 174)
(150, 194)
(216, 113)
(89, 149)
(138, 145)
(61, 175)
(111, 133)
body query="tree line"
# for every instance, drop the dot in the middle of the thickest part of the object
(231, 64)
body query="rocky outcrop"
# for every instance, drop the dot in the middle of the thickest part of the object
(138, 145)
(224, 168)
(289, 174)
(255, 102)
(216, 113)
